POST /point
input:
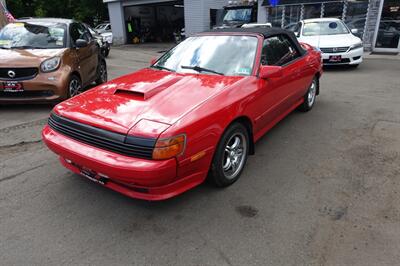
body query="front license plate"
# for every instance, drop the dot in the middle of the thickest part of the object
(12, 86)
(335, 58)
(91, 175)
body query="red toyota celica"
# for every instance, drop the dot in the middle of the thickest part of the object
(195, 113)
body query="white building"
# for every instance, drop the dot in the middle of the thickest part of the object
(378, 21)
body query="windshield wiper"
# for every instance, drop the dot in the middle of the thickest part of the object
(2, 47)
(202, 69)
(26, 47)
(163, 68)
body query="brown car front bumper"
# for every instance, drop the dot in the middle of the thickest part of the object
(44, 87)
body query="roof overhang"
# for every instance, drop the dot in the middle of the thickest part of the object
(295, 2)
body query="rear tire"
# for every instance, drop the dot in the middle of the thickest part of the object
(101, 73)
(230, 156)
(310, 96)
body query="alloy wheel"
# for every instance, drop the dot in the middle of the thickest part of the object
(234, 155)
(312, 92)
(75, 87)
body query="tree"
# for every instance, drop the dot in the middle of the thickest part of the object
(87, 11)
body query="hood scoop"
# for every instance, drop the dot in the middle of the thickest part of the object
(145, 90)
(133, 95)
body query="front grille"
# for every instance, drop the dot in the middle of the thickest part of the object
(334, 50)
(22, 73)
(26, 94)
(111, 141)
(344, 60)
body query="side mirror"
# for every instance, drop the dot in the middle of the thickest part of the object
(81, 43)
(354, 31)
(153, 61)
(267, 72)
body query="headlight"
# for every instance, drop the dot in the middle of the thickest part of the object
(356, 46)
(107, 38)
(50, 65)
(169, 147)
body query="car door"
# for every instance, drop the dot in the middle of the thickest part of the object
(276, 93)
(87, 56)
(299, 65)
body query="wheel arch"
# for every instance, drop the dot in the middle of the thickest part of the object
(318, 76)
(76, 73)
(246, 122)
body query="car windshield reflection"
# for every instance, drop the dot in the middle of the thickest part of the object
(212, 55)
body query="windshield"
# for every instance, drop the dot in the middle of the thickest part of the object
(227, 55)
(92, 31)
(33, 35)
(101, 26)
(243, 15)
(324, 28)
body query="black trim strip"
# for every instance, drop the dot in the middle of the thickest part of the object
(126, 145)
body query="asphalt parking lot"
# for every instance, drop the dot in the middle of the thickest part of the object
(322, 189)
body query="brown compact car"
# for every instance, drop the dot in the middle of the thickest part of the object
(47, 59)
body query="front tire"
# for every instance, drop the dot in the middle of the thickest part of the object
(74, 86)
(310, 97)
(230, 156)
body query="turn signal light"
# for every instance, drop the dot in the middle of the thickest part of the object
(169, 147)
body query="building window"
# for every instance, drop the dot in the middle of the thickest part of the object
(356, 16)
(312, 11)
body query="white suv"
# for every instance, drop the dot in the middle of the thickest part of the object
(333, 38)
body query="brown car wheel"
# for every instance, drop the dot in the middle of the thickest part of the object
(101, 73)
(74, 86)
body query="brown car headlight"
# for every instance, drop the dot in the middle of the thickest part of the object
(50, 64)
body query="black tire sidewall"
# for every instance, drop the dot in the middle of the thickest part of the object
(99, 79)
(216, 173)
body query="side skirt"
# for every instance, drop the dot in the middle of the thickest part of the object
(276, 120)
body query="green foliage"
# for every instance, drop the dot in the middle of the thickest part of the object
(87, 11)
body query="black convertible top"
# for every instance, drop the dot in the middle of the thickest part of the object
(266, 32)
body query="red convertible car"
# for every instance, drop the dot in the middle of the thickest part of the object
(196, 112)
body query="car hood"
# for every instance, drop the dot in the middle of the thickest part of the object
(150, 94)
(327, 41)
(26, 57)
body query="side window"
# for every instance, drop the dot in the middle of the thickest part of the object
(84, 32)
(278, 51)
(297, 28)
(74, 32)
(78, 31)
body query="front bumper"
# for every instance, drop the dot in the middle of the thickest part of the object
(44, 87)
(133, 177)
(352, 57)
